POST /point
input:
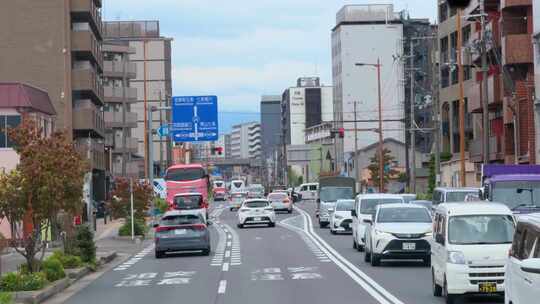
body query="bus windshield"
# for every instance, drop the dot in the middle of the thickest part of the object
(184, 174)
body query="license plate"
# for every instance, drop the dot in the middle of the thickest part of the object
(489, 287)
(180, 231)
(257, 219)
(409, 246)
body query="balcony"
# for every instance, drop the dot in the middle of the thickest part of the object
(115, 120)
(87, 85)
(517, 49)
(88, 120)
(515, 3)
(88, 11)
(116, 69)
(109, 140)
(132, 146)
(86, 47)
(132, 169)
(495, 149)
(93, 152)
(117, 94)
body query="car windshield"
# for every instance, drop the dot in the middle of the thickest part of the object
(188, 202)
(407, 198)
(256, 204)
(256, 189)
(345, 205)
(277, 196)
(367, 206)
(332, 194)
(480, 229)
(184, 174)
(426, 204)
(516, 194)
(403, 215)
(458, 196)
(183, 219)
(219, 184)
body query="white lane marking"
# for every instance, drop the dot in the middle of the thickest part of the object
(227, 253)
(136, 258)
(372, 287)
(225, 267)
(236, 255)
(217, 259)
(222, 286)
(321, 256)
(229, 244)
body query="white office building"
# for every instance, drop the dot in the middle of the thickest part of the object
(364, 34)
(246, 141)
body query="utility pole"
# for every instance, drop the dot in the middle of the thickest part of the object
(485, 102)
(463, 175)
(160, 138)
(381, 153)
(436, 122)
(356, 166)
(124, 114)
(413, 123)
(145, 113)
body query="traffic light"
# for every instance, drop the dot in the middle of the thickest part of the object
(341, 132)
(458, 3)
(218, 150)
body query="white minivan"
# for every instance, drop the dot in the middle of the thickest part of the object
(309, 191)
(363, 211)
(522, 280)
(469, 248)
(237, 185)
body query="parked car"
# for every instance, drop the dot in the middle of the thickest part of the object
(256, 212)
(341, 219)
(181, 231)
(522, 277)
(364, 209)
(256, 191)
(449, 195)
(423, 203)
(469, 248)
(408, 197)
(236, 199)
(280, 201)
(398, 231)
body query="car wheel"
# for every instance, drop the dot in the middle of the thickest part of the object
(240, 226)
(437, 289)
(427, 261)
(272, 225)
(231, 209)
(449, 298)
(361, 248)
(375, 259)
(332, 231)
(159, 254)
(367, 257)
(206, 252)
(354, 245)
(322, 225)
(289, 211)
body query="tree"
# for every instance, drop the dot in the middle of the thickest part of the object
(388, 171)
(48, 179)
(120, 204)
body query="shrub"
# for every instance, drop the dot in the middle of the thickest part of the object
(161, 205)
(68, 261)
(13, 281)
(53, 269)
(139, 227)
(84, 242)
(5, 298)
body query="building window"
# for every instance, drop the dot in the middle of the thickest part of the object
(7, 121)
(443, 12)
(445, 77)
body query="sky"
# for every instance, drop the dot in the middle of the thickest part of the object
(242, 49)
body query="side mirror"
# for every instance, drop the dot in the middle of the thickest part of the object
(439, 239)
(531, 266)
(209, 223)
(367, 221)
(353, 213)
(155, 225)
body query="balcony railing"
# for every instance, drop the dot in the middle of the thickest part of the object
(89, 119)
(93, 152)
(85, 43)
(132, 145)
(115, 120)
(88, 10)
(117, 94)
(87, 83)
(495, 149)
(515, 3)
(517, 49)
(132, 169)
(116, 69)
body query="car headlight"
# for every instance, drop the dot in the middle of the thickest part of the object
(338, 217)
(381, 233)
(428, 234)
(456, 257)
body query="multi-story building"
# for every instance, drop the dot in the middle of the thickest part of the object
(536, 23)
(153, 81)
(381, 28)
(306, 105)
(271, 135)
(510, 85)
(118, 70)
(246, 141)
(56, 45)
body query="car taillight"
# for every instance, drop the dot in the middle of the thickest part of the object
(199, 227)
(269, 209)
(162, 229)
(286, 201)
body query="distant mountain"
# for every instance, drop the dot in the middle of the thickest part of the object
(229, 119)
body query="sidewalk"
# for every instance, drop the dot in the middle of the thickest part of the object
(104, 237)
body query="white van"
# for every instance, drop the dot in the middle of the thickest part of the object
(469, 248)
(449, 195)
(238, 185)
(309, 191)
(363, 211)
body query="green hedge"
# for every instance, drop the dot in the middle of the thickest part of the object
(68, 261)
(14, 281)
(139, 228)
(53, 269)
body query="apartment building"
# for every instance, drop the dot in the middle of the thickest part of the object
(152, 58)
(536, 25)
(56, 45)
(510, 84)
(246, 141)
(118, 71)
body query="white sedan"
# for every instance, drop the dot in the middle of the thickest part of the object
(341, 218)
(399, 231)
(256, 212)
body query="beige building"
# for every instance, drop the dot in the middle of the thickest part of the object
(56, 45)
(152, 58)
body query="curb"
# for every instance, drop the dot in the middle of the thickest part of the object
(72, 276)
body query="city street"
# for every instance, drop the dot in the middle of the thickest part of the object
(295, 262)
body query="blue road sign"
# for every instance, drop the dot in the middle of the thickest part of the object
(163, 131)
(195, 118)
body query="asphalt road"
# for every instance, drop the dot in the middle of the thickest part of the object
(294, 262)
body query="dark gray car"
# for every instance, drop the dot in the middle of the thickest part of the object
(182, 231)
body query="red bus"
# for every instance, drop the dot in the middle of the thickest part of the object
(190, 178)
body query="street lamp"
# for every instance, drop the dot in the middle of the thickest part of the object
(381, 154)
